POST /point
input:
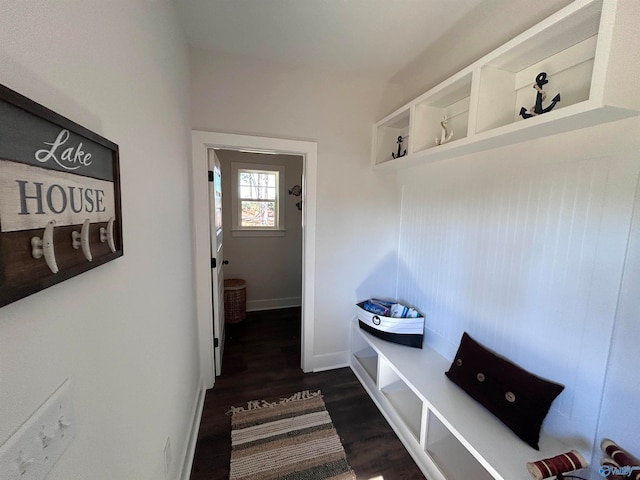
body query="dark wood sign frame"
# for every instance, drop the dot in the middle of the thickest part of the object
(26, 132)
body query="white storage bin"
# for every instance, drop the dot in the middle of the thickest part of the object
(405, 331)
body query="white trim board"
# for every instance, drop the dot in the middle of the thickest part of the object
(201, 142)
(192, 438)
(273, 303)
(330, 361)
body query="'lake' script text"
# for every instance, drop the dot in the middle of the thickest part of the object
(70, 158)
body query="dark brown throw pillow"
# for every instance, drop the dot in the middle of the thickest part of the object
(518, 398)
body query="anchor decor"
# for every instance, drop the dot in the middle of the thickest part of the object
(446, 135)
(541, 96)
(400, 152)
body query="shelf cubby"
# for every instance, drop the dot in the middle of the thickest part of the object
(564, 50)
(450, 456)
(403, 400)
(387, 132)
(368, 360)
(452, 102)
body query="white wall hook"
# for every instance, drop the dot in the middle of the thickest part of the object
(106, 235)
(44, 246)
(82, 240)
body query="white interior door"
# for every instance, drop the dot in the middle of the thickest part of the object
(217, 260)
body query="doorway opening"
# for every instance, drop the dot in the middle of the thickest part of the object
(202, 143)
(262, 226)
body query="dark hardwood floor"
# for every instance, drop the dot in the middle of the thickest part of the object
(262, 361)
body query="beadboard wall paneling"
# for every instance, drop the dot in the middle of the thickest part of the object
(524, 249)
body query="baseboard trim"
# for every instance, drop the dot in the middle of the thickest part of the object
(187, 460)
(330, 361)
(273, 303)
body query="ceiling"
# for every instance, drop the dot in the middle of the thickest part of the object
(368, 37)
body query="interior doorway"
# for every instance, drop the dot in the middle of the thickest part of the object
(262, 226)
(202, 143)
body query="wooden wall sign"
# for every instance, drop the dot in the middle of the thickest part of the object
(60, 211)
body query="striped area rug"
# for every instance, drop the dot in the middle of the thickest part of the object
(292, 439)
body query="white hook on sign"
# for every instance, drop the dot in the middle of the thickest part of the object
(106, 235)
(44, 247)
(82, 240)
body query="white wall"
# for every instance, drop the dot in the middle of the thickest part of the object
(123, 333)
(271, 265)
(619, 419)
(356, 225)
(525, 247)
(485, 28)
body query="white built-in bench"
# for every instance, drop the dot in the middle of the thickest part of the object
(449, 435)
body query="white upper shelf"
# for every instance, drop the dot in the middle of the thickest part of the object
(588, 51)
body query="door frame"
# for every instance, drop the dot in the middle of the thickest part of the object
(201, 142)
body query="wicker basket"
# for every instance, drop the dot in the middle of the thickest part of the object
(235, 300)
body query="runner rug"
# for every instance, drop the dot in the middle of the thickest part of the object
(291, 439)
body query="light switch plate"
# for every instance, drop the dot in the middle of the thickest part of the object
(31, 452)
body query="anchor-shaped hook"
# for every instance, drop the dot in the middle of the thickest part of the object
(446, 135)
(541, 96)
(400, 152)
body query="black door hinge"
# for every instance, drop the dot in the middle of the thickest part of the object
(216, 343)
(210, 175)
(213, 263)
